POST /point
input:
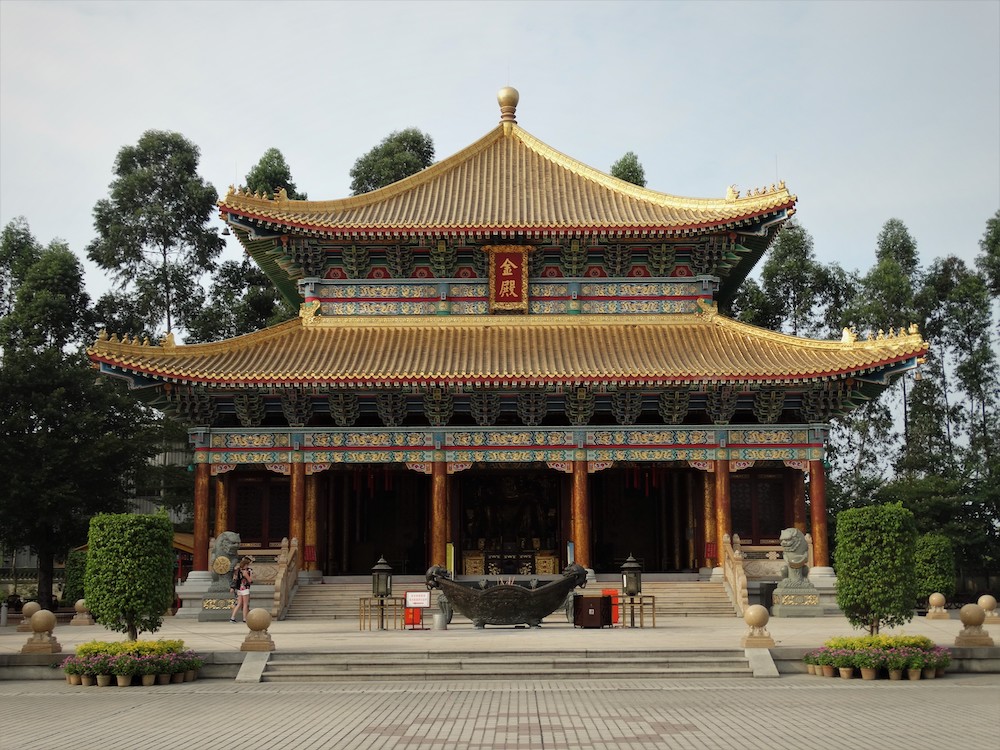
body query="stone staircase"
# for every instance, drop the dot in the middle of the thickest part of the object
(505, 665)
(337, 598)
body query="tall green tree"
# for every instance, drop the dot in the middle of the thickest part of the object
(270, 174)
(241, 300)
(18, 251)
(895, 241)
(989, 260)
(398, 155)
(69, 445)
(792, 280)
(629, 169)
(152, 230)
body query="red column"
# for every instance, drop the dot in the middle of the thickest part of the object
(439, 512)
(799, 500)
(221, 506)
(309, 550)
(817, 504)
(580, 514)
(296, 510)
(723, 514)
(711, 536)
(202, 477)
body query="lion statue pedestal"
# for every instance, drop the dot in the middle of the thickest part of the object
(795, 596)
(217, 602)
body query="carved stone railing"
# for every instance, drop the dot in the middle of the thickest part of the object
(287, 577)
(764, 562)
(734, 577)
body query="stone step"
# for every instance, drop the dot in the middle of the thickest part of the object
(466, 665)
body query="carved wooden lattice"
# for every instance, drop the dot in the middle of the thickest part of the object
(532, 408)
(673, 405)
(438, 406)
(480, 263)
(344, 408)
(626, 406)
(536, 263)
(661, 259)
(485, 408)
(249, 408)
(357, 264)
(820, 404)
(720, 403)
(309, 255)
(193, 405)
(573, 259)
(391, 408)
(444, 260)
(579, 406)
(767, 406)
(399, 259)
(297, 407)
(617, 260)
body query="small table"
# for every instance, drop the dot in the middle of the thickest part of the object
(368, 606)
(631, 603)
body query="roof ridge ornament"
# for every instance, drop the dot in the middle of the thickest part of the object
(507, 98)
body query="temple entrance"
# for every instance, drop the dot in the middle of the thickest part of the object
(509, 521)
(259, 508)
(649, 512)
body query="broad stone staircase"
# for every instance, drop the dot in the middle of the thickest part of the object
(337, 599)
(505, 665)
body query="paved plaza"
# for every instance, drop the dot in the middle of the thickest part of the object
(794, 711)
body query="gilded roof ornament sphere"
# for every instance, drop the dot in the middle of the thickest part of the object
(507, 98)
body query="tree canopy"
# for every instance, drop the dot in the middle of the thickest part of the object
(398, 155)
(70, 446)
(629, 169)
(270, 174)
(152, 232)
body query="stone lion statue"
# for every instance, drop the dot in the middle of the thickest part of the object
(795, 551)
(225, 555)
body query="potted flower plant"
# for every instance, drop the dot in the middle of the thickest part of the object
(869, 661)
(124, 667)
(941, 658)
(73, 667)
(843, 660)
(895, 662)
(915, 662)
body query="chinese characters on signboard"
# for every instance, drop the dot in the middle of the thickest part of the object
(508, 278)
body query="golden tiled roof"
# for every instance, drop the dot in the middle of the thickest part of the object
(511, 351)
(508, 181)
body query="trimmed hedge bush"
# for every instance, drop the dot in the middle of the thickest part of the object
(874, 560)
(934, 559)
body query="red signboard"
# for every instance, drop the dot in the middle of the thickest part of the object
(508, 277)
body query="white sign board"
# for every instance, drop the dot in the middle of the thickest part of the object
(418, 599)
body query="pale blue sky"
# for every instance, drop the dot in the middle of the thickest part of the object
(868, 110)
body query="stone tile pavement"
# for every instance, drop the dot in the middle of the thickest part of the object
(791, 713)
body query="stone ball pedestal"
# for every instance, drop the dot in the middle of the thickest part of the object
(756, 617)
(82, 616)
(42, 641)
(935, 610)
(972, 634)
(989, 604)
(258, 639)
(27, 611)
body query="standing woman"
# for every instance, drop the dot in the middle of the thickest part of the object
(242, 578)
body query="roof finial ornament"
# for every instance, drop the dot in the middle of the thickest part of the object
(508, 97)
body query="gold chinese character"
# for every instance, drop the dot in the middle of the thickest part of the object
(507, 289)
(508, 267)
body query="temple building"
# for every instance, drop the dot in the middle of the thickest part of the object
(516, 355)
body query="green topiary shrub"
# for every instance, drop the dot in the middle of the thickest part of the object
(934, 558)
(76, 569)
(876, 580)
(129, 581)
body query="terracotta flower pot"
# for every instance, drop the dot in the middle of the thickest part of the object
(124, 680)
(103, 680)
(939, 672)
(190, 675)
(895, 674)
(869, 673)
(846, 673)
(74, 679)
(87, 680)
(148, 679)
(914, 674)
(163, 679)
(829, 670)
(177, 677)
(930, 673)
